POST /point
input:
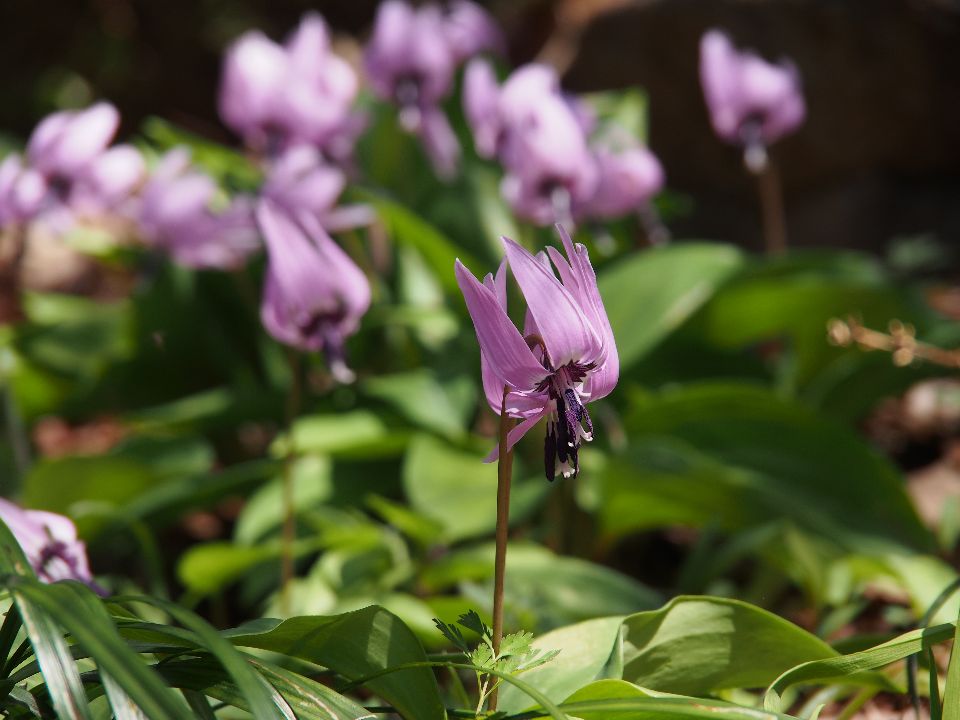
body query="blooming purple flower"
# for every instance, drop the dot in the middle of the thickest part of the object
(314, 295)
(50, 543)
(752, 102)
(176, 215)
(471, 30)
(277, 95)
(69, 172)
(566, 357)
(629, 177)
(539, 135)
(410, 61)
(301, 181)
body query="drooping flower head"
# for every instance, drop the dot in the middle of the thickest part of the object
(177, 215)
(69, 172)
(752, 103)
(557, 166)
(50, 543)
(540, 136)
(277, 95)
(301, 181)
(471, 30)
(314, 295)
(566, 356)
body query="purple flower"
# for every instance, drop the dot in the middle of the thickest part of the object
(314, 295)
(752, 102)
(276, 95)
(69, 171)
(176, 215)
(471, 30)
(628, 179)
(410, 61)
(566, 357)
(540, 137)
(299, 181)
(50, 543)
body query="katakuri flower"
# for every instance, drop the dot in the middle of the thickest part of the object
(69, 172)
(50, 543)
(539, 135)
(275, 96)
(177, 215)
(565, 358)
(471, 30)
(630, 175)
(410, 62)
(752, 103)
(314, 295)
(300, 180)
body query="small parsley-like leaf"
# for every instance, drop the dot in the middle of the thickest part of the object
(453, 634)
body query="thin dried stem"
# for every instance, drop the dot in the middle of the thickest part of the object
(504, 476)
(900, 341)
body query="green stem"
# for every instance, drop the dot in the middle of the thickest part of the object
(289, 532)
(504, 476)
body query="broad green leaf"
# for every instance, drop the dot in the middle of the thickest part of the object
(738, 455)
(356, 645)
(589, 651)
(421, 398)
(263, 512)
(359, 433)
(209, 567)
(700, 645)
(650, 294)
(459, 491)
(851, 669)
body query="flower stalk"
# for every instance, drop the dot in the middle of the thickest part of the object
(504, 477)
(289, 531)
(771, 207)
(901, 342)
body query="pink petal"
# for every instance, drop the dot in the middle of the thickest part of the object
(510, 359)
(518, 432)
(566, 331)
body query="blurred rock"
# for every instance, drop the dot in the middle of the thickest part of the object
(879, 155)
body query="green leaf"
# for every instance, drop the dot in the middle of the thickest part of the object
(589, 651)
(422, 399)
(620, 700)
(738, 455)
(263, 512)
(650, 294)
(701, 645)
(210, 567)
(359, 433)
(263, 700)
(356, 645)
(850, 669)
(458, 490)
(406, 228)
(74, 607)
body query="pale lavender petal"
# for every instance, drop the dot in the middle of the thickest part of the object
(84, 136)
(470, 29)
(117, 172)
(481, 95)
(349, 217)
(604, 377)
(565, 330)
(255, 70)
(509, 357)
(440, 142)
(521, 429)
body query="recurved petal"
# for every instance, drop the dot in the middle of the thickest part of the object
(82, 138)
(440, 142)
(567, 333)
(604, 377)
(506, 351)
(521, 429)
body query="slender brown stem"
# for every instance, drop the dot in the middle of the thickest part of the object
(289, 533)
(504, 475)
(771, 205)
